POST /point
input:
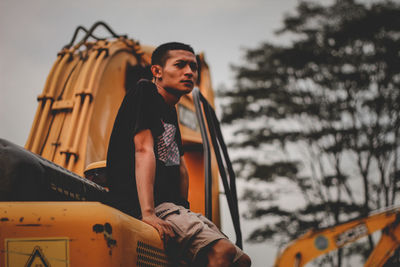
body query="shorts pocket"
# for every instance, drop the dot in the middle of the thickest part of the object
(186, 223)
(165, 209)
(164, 213)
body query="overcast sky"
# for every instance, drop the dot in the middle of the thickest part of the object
(32, 32)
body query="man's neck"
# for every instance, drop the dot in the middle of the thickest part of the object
(169, 98)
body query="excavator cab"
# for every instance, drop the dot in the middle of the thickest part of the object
(50, 214)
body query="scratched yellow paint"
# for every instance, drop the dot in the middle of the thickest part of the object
(37, 252)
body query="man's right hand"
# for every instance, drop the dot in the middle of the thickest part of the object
(164, 228)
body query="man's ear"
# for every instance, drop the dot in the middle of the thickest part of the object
(156, 70)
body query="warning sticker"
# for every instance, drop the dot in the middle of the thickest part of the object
(38, 252)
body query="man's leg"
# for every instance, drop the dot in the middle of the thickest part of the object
(243, 261)
(225, 247)
(222, 253)
(202, 243)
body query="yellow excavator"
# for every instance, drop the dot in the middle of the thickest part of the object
(318, 242)
(54, 196)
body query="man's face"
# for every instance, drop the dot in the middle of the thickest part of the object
(179, 71)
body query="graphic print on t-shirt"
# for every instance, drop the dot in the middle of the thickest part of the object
(167, 148)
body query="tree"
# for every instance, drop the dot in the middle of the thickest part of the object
(327, 107)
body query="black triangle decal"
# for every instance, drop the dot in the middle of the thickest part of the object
(38, 258)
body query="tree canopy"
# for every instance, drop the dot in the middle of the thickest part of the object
(323, 115)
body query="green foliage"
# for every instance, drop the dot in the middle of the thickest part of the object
(334, 95)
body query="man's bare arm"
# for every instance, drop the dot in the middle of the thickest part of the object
(184, 183)
(145, 165)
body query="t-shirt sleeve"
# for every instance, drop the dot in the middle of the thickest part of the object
(145, 114)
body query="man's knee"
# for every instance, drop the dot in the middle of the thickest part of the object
(223, 251)
(243, 261)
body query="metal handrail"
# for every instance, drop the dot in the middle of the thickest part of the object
(224, 163)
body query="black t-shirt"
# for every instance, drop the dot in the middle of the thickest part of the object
(144, 108)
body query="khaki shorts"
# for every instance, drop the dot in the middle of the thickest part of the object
(193, 231)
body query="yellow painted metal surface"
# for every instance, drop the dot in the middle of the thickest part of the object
(75, 234)
(79, 103)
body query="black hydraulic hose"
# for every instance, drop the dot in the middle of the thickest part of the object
(79, 28)
(94, 27)
(207, 154)
(224, 149)
(230, 189)
(218, 144)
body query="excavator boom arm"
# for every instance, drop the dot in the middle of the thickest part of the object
(318, 242)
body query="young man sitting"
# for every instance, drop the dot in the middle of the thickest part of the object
(145, 163)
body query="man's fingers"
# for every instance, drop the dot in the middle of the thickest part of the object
(164, 228)
(168, 229)
(171, 232)
(161, 231)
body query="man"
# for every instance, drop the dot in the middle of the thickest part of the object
(145, 163)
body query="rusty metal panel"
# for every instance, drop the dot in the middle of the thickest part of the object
(75, 234)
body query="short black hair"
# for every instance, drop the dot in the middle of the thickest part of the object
(160, 54)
